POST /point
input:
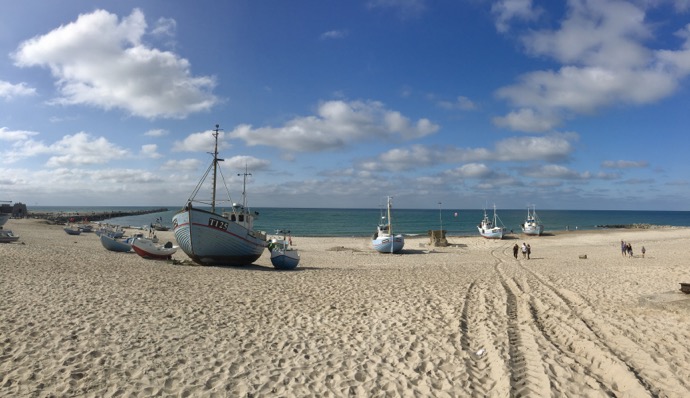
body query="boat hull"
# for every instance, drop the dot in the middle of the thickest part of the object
(6, 236)
(385, 244)
(71, 231)
(115, 245)
(147, 249)
(211, 239)
(492, 233)
(284, 259)
(533, 230)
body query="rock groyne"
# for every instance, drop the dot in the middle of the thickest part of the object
(79, 216)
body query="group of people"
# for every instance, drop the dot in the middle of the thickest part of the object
(526, 250)
(627, 250)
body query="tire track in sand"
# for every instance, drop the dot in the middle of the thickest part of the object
(615, 360)
(486, 368)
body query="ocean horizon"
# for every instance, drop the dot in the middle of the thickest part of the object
(325, 222)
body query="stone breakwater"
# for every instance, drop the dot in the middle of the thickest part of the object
(635, 226)
(64, 217)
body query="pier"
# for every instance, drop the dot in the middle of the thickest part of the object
(79, 216)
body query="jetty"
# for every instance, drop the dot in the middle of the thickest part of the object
(65, 217)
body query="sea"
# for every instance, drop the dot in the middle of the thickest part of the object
(322, 222)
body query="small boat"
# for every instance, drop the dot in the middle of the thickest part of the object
(72, 231)
(85, 227)
(489, 228)
(532, 224)
(115, 245)
(211, 237)
(384, 241)
(158, 225)
(6, 236)
(147, 249)
(282, 255)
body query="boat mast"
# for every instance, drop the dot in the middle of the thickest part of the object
(390, 225)
(244, 185)
(215, 168)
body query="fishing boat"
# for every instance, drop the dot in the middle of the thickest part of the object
(489, 227)
(384, 241)
(283, 256)
(212, 237)
(6, 236)
(115, 245)
(532, 224)
(158, 225)
(72, 231)
(146, 248)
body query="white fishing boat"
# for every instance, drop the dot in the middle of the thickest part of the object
(210, 237)
(489, 228)
(532, 224)
(384, 241)
(146, 248)
(283, 255)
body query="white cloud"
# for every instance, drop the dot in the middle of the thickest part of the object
(156, 133)
(200, 142)
(506, 11)
(182, 165)
(337, 124)
(605, 62)
(624, 164)
(150, 151)
(82, 149)
(100, 61)
(334, 34)
(238, 163)
(461, 103)
(9, 90)
(15, 135)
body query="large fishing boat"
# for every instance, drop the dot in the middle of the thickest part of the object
(384, 241)
(211, 237)
(532, 224)
(489, 228)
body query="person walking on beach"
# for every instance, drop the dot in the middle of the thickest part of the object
(643, 251)
(515, 250)
(529, 250)
(630, 251)
(524, 250)
(624, 248)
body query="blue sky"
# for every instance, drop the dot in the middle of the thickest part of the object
(582, 104)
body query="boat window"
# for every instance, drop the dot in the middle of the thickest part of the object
(232, 217)
(241, 217)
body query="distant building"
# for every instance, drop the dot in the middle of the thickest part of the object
(18, 210)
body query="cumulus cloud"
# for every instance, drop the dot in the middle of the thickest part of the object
(82, 149)
(15, 135)
(601, 46)
(624, 164)
(461, 103)
(182, 165)
(336, 125)
(201, 142)
(156, 133)
(552, 148)
(150, 151)
(10, 91)
(249, 162)
(506, 11)
(101, 61)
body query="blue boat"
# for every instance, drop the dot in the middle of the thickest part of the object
(115, 245)
(384, 241)
(283, 256)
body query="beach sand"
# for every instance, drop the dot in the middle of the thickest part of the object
(457, 321)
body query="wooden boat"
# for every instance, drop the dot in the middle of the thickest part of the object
(72, 231)
(115, 245)
(147, 249)
(6, 236)
(532, 224)
(283, 256)
(384, 241)
(489, 228)
(211, 237)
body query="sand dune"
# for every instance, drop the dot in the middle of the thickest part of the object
(463, 320)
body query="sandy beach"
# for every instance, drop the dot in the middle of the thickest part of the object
(458, 321)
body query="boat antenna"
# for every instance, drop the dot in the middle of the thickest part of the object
(215, 167)
(244, 185)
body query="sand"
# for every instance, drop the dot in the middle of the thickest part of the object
(464, 320)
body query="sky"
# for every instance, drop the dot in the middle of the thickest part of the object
(455, 104)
